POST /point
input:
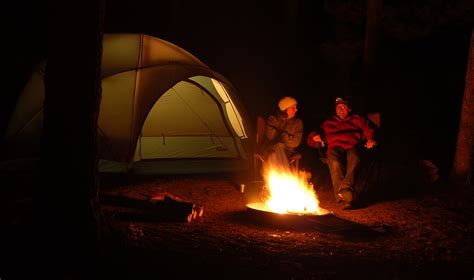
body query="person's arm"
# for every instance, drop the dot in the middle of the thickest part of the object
(294, 134)
(314, 139)
(368, 132)
(272, 128)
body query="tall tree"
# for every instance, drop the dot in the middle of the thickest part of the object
(67, 203)
(462, 168)
(372, 34)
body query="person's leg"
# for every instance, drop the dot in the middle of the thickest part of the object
(347, 190)
(336, 168)
(278, 157)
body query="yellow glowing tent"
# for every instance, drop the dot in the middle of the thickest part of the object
(159, 102)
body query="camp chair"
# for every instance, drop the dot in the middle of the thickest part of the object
(258, 157)
(371, 168)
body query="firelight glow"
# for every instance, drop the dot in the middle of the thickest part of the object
(289, 192)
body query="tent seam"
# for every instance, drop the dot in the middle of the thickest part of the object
(132, 127)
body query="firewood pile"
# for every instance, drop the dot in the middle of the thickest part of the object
(159, 207)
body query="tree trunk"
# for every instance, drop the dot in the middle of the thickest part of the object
(371, 45)
(67, 202)
(462, 167)
(372, 34)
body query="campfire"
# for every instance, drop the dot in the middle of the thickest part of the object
(288, 192)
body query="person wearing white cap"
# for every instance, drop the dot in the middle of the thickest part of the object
(284, 132)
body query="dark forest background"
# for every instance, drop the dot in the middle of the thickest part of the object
(312, 50)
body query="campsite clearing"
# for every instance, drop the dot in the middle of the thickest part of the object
(422, 235)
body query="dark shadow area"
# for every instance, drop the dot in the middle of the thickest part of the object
(328, 224)
(380, 177)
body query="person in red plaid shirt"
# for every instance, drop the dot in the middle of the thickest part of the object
(344, 134)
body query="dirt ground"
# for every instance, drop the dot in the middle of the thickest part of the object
(425, 233)
(410, 232)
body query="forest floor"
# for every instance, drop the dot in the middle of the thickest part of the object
(423, 232)
(418, 233)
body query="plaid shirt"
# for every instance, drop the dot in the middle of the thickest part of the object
(345, 133)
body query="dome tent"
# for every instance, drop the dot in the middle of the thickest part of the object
(159, 102)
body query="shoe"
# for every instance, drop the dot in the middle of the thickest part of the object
(346, 205)
(346, 194)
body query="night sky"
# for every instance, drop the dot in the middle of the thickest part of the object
(310, 49)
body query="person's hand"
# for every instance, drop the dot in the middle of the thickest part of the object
(317, 138)
(370, 144)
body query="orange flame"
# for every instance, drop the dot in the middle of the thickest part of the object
(290, 192)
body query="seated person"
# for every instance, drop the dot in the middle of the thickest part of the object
(344, 133)
(284, 133)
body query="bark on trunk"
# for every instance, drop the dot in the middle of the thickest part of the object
(370, 76)
(67, 202)
(372, 30)
(462, 166)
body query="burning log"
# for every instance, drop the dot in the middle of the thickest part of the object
(172, 209)
(199, 210)
(174, 204)
(163, 207)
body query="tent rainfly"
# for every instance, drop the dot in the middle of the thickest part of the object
(159, 102)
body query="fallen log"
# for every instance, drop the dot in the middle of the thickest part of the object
(162, 207)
